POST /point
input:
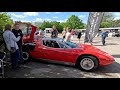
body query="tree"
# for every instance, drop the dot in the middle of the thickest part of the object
(116, 23)
(105, 24)
(46, 24)
(108, 16)
(107, 20)
(58, 26)
(4, 19)
(74, 22)
(38, 24)
(63, 24)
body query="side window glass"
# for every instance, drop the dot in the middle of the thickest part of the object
(55, 44)
(61, 45)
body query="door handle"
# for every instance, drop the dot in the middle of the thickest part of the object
(44, 48)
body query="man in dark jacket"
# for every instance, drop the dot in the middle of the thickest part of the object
(17, 32)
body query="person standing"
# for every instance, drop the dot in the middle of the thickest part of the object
(68, 35)
(17, 32)
(54, 32)
(79, 35)
(104, 35)
(11, 44)
(72, 34)
(64, 32)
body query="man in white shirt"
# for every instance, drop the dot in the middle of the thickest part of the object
(10, 41)
(68, 35)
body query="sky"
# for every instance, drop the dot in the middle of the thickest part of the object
(51, 16)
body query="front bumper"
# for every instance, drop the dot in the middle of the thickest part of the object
(104, 62)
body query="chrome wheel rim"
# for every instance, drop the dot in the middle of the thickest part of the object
(87, 63)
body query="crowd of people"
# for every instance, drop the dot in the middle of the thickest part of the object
(67, 33)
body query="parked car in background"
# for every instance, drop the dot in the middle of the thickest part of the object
(116, 34)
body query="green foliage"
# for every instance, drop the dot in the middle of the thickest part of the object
(58, 26)
(63, 24)
(46, 24)
(108, 16)
(107, 20)
(105, 24)
(4, 19)
(38, 24)
(116, 23)
(74, 22)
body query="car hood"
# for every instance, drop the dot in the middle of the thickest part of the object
(34, 28)
(91, 48)
(30, 37)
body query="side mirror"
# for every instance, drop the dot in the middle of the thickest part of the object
(64, 47)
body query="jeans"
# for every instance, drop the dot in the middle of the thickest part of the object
(20, 51)
(103, 40)
(15, 58)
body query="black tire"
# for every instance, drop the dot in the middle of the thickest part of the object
(93, 60)
(26, 57)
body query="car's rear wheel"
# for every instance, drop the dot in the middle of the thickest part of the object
(87, 63)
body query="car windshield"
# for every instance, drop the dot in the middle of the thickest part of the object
(71, 44)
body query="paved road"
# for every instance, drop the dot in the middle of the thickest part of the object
(48, 70)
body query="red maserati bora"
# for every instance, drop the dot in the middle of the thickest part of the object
(83, 56)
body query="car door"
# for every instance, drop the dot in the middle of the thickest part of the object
(65, 54)
(48, 50)
(38, 52)
(59, 54)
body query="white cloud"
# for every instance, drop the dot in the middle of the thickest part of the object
(55, 17)
(82, 16)
(18, 16)
(39, 20)
(62, 20)
(116, 15)
(116, 18)
(25, 21)
(30, 13)
(57, 12)
(47, 19)
(47, 12)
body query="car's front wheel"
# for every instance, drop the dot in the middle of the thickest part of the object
(87, 63)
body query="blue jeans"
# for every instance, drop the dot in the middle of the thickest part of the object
(15, 58)
(103, 40)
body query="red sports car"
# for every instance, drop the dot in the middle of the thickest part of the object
(83, 56)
